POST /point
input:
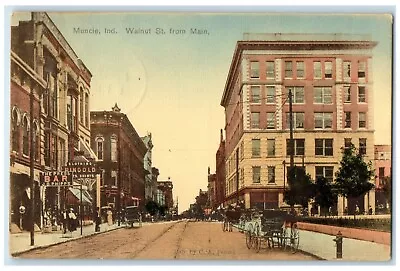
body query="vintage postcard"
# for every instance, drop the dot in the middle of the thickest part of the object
(200, 136)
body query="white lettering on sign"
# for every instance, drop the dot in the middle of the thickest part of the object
(56, 178)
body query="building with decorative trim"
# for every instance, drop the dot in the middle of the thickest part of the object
(45, 65)
(120, 152)
(330, 76)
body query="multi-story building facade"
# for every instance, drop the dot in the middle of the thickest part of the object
(202, 199)
(154, 179)
(42, 61)
(331, 82)
(211, 184)
(120, 152)
(220, 172)
(160, 197)
(148, 183)
(166, 188)
(383, 172)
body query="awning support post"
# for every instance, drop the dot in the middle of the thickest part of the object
(81, 210)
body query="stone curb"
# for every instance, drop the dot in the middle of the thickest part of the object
(16, 254)
(368, 235)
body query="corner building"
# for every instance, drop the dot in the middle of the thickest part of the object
(44, 67)
(331, 82)
(120, 152)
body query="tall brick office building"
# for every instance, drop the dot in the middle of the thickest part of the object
(331, 81)
(44, 67)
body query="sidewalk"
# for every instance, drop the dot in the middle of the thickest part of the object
(317, 244)
(20, 242)
(323, 246)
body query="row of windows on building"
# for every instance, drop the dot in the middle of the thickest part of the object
(22, 126)
(320, 171)
(326, 172)
(322, 95)
(322, 120)
(54, 147)
(296, 69)
(51, 97)
(51, 107)
(322, 147)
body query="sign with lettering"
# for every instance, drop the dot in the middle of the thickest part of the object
(82, 169)
(56, 178)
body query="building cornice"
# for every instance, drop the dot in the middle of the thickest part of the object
(27, 69)
(98, 118)
(43, 17)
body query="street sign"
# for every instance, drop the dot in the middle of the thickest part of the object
(56, 178)
(82, 169)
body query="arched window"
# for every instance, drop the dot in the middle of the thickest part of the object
(15, 130)
(36, 139)
(113, 143)
(87, 110)
(81, 103)
(25, 135)
(100, 147)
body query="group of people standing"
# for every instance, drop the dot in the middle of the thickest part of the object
(69, 220)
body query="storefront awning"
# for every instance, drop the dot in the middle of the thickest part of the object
(77, 193)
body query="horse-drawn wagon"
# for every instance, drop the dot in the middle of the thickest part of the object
(272, 228)
(133, 214)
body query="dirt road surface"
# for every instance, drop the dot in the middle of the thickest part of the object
(166, 241)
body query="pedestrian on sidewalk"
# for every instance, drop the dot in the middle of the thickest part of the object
(72, 220)
(65, 219)
(370, 210)
(109, 217)
(97, 220)
(357, 210)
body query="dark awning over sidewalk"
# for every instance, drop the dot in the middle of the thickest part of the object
(77, 193)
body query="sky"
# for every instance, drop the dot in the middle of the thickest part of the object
(171, 85)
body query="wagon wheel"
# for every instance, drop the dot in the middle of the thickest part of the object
(294, 238)
(281, 237)
(285, 237)
(249, 237)
(257, 238)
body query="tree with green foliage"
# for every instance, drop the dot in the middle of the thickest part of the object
(162, 210)
(152, 207)
(354, 174)
(301, 188)
(325, 193)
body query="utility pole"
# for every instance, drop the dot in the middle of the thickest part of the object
(291, 143)
(119, 173)
(237, 177)
(32, 168)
